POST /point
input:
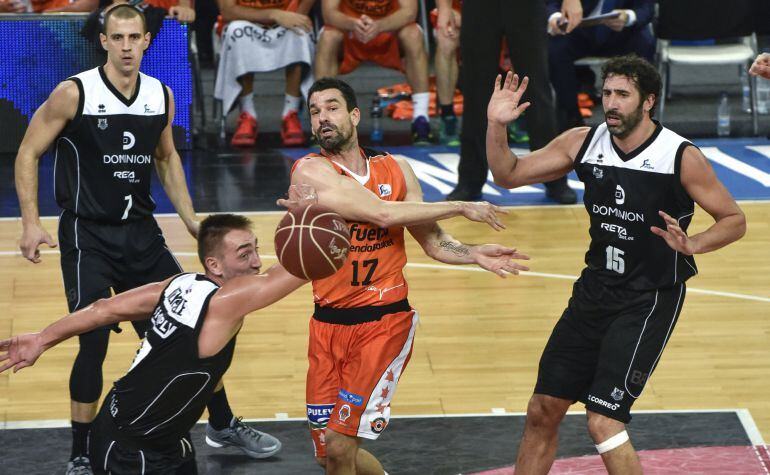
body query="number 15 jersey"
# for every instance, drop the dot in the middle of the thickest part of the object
(623, 194)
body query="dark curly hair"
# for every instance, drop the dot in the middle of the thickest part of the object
(639, 71)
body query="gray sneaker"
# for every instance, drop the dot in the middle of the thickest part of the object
(79, 466)
(254, 443)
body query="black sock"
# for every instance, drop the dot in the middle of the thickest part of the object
(447, 110)
(220, 414)
(80, 432)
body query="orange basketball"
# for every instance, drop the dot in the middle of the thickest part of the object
(312, 242)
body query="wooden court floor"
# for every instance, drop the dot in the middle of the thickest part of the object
(479, 339)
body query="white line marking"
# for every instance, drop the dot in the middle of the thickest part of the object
(750, 427)
(419, 265)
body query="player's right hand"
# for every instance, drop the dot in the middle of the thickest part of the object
(299, 195)
(504, 104)
(483, 212)
(294, 21)
(32, 237)
(20, 351)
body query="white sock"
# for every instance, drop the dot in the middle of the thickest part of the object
(246, 103)
(420, 102)
(290, 104)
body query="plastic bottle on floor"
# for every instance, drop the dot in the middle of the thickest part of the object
(763, 95)
(376, 115)
(723, 116)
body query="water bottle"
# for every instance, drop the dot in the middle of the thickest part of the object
(763, 95)
(376, 115)
(746, 91)
(723, 116)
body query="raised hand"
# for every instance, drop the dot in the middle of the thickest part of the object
(483, 212)
(499, 259)
(504, 105)
(20, 351)
(674, 236)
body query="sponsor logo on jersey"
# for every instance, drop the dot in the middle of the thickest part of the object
(147, 110)
(378, 425)
(617, 394)
(599, 158)
(102, 109)
(126, 158)
(113, 406)
(620, 195)
(646, 165)
(126, 175)
(369, 234)
(161, 325)
(598, 173)
(344, 413)
(602, 402)
(631, 216)
(176, 302)
(318, 415)
(384, 189)
(620, 230)
(353, 399)
(102, 123)
(128, 140)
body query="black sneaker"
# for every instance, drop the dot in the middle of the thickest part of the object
(79, 466)
(421, 133)
(254, 443)
(463, 194)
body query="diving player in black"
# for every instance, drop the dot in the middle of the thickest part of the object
(145, 420)
(641, 183)
(108, 126)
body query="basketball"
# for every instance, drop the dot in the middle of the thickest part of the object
(312, 242)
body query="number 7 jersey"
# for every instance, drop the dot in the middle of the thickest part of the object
(623, 194)
(373, 274)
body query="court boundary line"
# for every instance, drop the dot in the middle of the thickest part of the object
(421, 265)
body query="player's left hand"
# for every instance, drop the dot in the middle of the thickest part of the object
(182, 14)
(20, 351)
(504, 104)
(498, 259)
(674, 236)
(299, 195)
(617, 24)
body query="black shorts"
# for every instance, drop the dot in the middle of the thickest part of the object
(97, 257)
(112, 453)
(606, 345)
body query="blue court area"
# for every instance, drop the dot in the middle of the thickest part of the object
(743, 165)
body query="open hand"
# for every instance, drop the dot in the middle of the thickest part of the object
(504, 104)
(675, 237)
(499, 259)
(483, 212)
(20, 351)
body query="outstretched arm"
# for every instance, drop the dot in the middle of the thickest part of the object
(702, 184)
(137, 304)
(442, 247)
(354, 202)
(546, 164)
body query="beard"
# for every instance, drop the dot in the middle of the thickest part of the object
(336, 142)
(628, 123)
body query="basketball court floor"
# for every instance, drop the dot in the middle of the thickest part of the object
(459, 404)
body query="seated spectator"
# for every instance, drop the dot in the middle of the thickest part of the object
(446, 24)
(261, 36)
(13, 6)
(629, 33)
(382, 31)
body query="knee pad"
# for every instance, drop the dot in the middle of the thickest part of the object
(612, 443)
(86, 376)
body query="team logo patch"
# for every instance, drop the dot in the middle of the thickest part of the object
(147, 109)
(646, 165)
(599, 158)
(344, 413)
(128, 140)
(102, 124)
(384, 189)
(318, 415)
(620, 195)
(617, 394)
(353, 399)
(598, 173)
(378, 425)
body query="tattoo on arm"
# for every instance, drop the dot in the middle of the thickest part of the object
(455, 248)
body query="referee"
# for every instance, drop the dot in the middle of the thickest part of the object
(108, 126)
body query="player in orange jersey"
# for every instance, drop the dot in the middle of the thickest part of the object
(363, 327)
(381, 31)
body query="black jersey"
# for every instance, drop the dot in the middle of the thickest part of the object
(623, 194)
(164, 393)
(103, 158)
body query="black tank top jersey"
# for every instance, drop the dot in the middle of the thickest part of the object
(103, 158)
(164, 393)
(623, 194)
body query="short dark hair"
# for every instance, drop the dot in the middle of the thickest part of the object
(639, 71)
(214, 228)
(334, 83)
(124, 11)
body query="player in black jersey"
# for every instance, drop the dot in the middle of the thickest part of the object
(108, 125)
(144, 423)
(641, 183)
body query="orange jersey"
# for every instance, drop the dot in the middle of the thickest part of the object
(372, 8)
(373, 274)
(289, 5)
(164, 4)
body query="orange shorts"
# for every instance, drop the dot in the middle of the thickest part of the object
(353, 374)
(383, 50)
